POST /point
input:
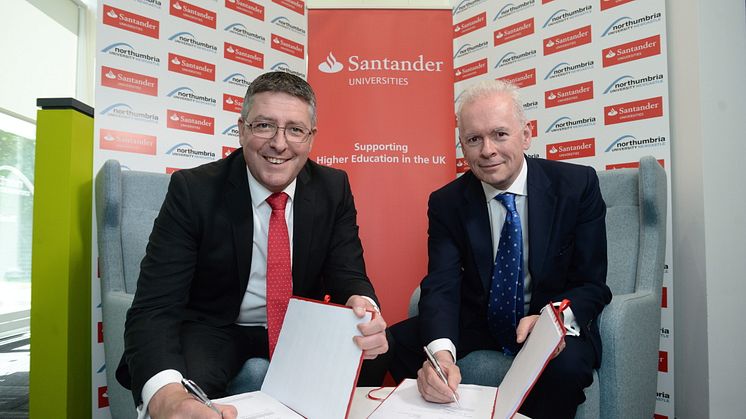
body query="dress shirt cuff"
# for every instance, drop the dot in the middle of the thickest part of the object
(442, 344)
(375, 306)
(152, 386)
(568, 318)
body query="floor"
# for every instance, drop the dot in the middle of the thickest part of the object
(14, 373)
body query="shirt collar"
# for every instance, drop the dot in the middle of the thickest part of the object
(259, 193)
(519, 186)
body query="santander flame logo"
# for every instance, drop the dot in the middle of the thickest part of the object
(174, 117)
(112, 14)
(610, 54)
(177, 6)
(110, 75)
(330, 65)
(612, 112)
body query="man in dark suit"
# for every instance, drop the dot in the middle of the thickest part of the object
(552, 216)
(203, 304)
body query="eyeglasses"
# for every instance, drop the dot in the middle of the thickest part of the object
(267, 130)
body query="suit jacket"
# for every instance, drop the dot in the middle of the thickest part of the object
(197, 262)
(567, 254)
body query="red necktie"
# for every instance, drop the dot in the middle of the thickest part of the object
(279, 274)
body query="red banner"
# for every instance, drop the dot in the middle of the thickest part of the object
(386, 117)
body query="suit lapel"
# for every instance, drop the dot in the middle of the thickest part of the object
(476, 221)
(303, 210)
(237, 200)
(542, 202)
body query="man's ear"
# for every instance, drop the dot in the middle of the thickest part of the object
(314, 130)
(527, 136)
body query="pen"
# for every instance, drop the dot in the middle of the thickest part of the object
(436, 366)
(199, 394)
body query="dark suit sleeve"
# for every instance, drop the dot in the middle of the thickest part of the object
(153, 322)
(344, 268)
(440, 297)
(586, 273)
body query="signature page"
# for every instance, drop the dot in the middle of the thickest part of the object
(406, 402)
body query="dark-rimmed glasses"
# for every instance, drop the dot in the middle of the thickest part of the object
(294, 133)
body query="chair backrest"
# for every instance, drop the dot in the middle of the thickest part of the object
(620, 191)
(127, 203)
(635, 219)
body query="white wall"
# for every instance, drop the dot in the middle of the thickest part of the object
(708, 110)
(39, 53)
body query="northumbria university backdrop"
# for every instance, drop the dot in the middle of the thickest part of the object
(171, 76)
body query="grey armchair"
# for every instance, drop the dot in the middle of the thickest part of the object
(625, 385)
(127, 203)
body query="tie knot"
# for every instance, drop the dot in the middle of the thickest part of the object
(508, 201)
(277, 200)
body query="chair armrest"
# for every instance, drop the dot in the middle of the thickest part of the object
(630, 332)
(114, 306)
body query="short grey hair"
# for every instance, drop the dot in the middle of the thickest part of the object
(489, 88)
(280, 82)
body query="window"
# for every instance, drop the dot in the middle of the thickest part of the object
(17, 147)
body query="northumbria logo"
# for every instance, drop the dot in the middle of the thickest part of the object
(125, 50)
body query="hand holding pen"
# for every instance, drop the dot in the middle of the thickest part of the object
(199, 394)
(174, 400)
(436, 366)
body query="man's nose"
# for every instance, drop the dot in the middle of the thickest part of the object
(279, 141)
(489, 148)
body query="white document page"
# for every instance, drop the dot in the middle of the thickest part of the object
(315, 364)
(406, 402)
(528, 364)
(256, 405)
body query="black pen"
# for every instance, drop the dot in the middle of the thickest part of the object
(436, 366)
(199, 394)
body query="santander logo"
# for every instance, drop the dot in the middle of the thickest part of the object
(330, 65)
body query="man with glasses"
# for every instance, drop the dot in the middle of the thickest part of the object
(233, 240)
(508, 237)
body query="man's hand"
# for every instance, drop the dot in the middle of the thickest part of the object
(526, 325)
(173, 401)
(373, 341)
(431, 387)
